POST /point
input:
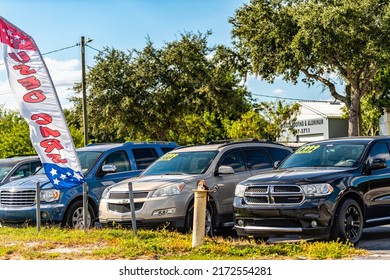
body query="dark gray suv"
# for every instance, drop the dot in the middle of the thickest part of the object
(13, 168)
(164, 191)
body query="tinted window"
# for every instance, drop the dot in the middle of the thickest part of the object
(278, 154)
(166, 149)
(257, 159)
(120, 160)
(27, 169)
(235, 160)
(144, 157)
(379, 150)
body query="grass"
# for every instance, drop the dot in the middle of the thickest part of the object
(114, 244)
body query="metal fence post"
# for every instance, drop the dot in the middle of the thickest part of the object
(132, 209)
(38, 204)
(85, 206)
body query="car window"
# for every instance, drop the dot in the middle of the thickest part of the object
(87, 159)
(257, 159)
(167, 149)
(181, 163)
(235, 160)
(144, 157)
(120, 160)
(278, 154)
(327, 154)
(26, 169)
(380, 150)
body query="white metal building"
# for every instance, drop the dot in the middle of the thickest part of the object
(318, 120)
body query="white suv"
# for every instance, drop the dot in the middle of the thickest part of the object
(164, 192)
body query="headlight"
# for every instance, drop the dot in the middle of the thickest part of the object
(169, 190)
(50, 195)
(317, 189)
(105, 192)
(240, 190)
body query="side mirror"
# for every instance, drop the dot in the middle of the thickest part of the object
(224, 169)
(108, 168)
(377, 163)
(276, 164)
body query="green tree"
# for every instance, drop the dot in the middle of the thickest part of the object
(266, 120)
(319, 38)
(280, 118)
(250, 125)
(148, 94)
(14, 134)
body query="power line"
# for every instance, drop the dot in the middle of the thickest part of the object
(75, 45)
(287, 98)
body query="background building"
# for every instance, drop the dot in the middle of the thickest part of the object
(317, 121)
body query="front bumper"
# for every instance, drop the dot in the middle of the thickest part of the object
(167, 211)
(49, 213)
(313, 218)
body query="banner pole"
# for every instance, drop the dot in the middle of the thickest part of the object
(85, 206)
(38, 203)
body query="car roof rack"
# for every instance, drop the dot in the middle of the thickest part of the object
(227, 141)
(149, 142)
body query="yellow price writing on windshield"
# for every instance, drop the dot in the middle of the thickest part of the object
(167, 157)
(307, 149)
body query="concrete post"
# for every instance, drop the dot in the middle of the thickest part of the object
(199, 223)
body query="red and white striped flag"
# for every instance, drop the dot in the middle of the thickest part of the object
(38, 103)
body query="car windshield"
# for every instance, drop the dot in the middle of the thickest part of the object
(181, 163)
(327, 155)
(4, 169)
(87, 160)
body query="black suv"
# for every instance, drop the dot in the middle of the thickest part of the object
(331, 188)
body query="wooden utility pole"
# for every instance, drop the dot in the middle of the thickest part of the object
(84, 84)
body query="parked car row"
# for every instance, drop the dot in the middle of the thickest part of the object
(102, 165)
(325, 189)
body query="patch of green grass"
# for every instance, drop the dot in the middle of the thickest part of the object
(58, 243)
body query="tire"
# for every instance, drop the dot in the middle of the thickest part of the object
(74, 216)
(209, 219)
(348, 223)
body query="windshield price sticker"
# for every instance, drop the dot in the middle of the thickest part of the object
(307, 149)
(168, 157)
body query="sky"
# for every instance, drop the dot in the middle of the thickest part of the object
(57, 27)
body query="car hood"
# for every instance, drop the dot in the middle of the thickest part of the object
(149, 183)
(299, 175)
(29, 182)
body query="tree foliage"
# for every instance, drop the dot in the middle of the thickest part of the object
(319, 38)
(14, 134)
(266, 120)
(157, 93)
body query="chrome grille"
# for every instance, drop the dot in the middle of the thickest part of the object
(273, 194)
(125, 195)
(17, 198)
(123, 208)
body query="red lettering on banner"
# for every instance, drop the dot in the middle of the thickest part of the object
(34, 96)
(50, 144)
(23, 57)
(46, 132)
(42, 118)
(30, 82)
(24, 69)
(56, 158)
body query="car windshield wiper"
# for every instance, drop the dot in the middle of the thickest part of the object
(175, 173)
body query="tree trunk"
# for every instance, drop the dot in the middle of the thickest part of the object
(354, 113)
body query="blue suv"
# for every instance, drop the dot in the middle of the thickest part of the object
(102, 165)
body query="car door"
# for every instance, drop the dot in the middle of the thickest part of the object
(378, 195)
(227, 182)
(99, 180)
(258, 160)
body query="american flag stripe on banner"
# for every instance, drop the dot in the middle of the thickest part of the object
(39, 105)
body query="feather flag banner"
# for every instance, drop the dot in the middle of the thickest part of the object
(39, 105)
